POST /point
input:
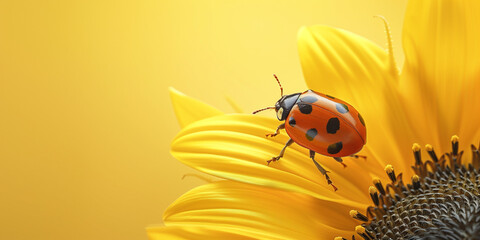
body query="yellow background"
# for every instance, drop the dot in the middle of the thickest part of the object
(86, 119)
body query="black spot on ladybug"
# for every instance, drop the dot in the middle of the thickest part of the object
(311, 133)
(292, 121)
(335, 148)
(333, 125)
(331, 97)
(309, 99)
(305, 108)
(341, 108)
(361, 119)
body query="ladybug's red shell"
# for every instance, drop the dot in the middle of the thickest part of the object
(326, 125)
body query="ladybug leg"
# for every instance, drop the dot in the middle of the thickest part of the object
(274, 159)
(358, 156)
(322, 170)
(281, 126)
(340, 160)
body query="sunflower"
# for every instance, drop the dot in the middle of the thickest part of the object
(433, 98)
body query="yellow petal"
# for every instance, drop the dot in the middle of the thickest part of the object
(189, 110)
(235, 147)
(354, 69)
(441, 78)
(227, 207)
(339, 62)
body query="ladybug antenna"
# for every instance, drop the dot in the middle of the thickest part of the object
(263, 109)
(278, 81)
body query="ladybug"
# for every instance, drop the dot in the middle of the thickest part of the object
(321, 123)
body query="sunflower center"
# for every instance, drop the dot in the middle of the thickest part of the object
(446, 206)
(441, 202)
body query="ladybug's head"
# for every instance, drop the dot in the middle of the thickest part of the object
(285, 104)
